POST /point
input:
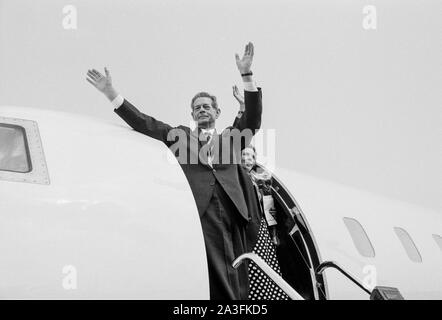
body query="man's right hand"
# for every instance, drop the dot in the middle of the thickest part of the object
(102, 83)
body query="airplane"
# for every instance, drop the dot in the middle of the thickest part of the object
(93, 210)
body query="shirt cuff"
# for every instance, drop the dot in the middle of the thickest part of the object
(118, 101)
(250, 86)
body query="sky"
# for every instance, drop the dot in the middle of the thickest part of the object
(357, 106)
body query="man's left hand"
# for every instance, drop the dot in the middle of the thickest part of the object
(244, 64)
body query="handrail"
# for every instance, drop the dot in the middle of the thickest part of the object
(331, 264)
(272, 274)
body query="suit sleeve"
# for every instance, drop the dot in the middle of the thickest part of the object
(251, 118)
(143, 123)
(244, 128)
(236, 122)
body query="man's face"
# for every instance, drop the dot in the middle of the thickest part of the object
(248, 158)
(204, 113)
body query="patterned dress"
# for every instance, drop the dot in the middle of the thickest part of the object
(261, 286)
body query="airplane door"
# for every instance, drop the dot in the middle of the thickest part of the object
(297, 253)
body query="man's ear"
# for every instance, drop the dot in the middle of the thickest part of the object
(218, 112)
(192, 114)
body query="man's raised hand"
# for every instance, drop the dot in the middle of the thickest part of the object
(239, 97)
(103, 83)
(244, 64)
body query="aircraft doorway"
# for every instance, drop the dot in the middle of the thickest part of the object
(297, 253)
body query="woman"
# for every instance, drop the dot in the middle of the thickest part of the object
(261, 287)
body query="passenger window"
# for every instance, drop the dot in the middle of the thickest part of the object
(438, 240)
(14, 151)
(359, 237)
(408, 244)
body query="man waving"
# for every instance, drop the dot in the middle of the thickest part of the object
(209, 160)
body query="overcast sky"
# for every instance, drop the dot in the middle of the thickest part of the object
(360, 107)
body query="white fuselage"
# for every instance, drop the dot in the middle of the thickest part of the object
(118, 221)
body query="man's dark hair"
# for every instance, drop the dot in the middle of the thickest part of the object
(207, 95)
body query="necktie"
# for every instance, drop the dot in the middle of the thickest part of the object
(208, 139)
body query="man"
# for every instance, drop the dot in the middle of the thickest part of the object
(221, 188)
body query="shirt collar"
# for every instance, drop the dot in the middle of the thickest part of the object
(210, 131)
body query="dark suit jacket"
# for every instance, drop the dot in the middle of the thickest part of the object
(186, 146)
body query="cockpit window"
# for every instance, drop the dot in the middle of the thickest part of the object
(22, 157)
(408, 244)
(14, 151)
(359, 237)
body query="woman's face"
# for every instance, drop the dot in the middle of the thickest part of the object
(248, 158)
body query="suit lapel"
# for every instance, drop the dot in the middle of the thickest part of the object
(195, 134)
